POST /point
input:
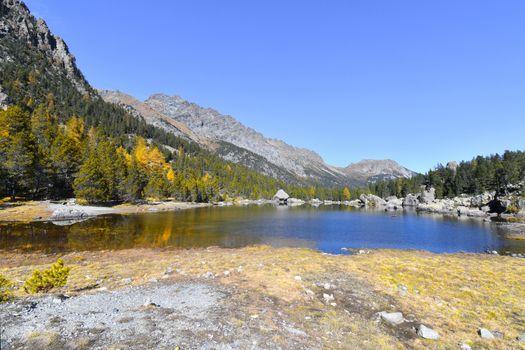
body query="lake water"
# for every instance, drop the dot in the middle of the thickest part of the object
(327, 228)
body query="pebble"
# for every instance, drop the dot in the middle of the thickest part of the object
(226, 273)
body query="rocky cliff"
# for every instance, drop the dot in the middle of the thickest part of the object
(18, 25)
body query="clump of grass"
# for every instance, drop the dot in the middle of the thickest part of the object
(44, 281)
(5, 289)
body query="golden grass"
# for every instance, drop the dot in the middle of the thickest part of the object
(453, 293)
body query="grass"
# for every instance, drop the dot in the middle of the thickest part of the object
(454, 294)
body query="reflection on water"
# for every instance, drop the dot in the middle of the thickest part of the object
(325, 228)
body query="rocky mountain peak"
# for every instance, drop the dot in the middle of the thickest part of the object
(16, 21)
(376, 170)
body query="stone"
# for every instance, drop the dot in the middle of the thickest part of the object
(428, 196)
(371, 200)
(427, 333)
(68, 213)
(485, 334)
(168, 271)
(521, 337)
(480, 200)
(328, 297)
(464, 346)
(298, 278)
(410, 201)
(394, 318)
(403, 290)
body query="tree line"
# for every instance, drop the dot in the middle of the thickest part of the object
(495, 173)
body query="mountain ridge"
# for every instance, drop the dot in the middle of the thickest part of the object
(208, 123)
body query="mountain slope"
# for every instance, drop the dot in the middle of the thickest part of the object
(212, 124)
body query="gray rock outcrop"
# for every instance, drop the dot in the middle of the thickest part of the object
(410, 201)
(371, 200)
(428, 196)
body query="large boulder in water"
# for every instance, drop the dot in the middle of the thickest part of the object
(371, 200)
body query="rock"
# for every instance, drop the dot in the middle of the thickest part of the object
(485, 334)
(127, 280)
(464, 346)
(394, 318)
(354, 203)
(480, 200)
(428, 196)
(452, 166)
(520, 203)
(427, 333)
(462, 200)
(410, 201)
(521, 337)
(298, 278)
(328, 297)
(393, 203)
(371, 200)
(403, 290)
(226, 273)
(68, 213)
(168, 271)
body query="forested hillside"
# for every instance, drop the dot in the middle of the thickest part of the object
(499, 173)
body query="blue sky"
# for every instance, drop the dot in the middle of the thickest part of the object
(420, 82)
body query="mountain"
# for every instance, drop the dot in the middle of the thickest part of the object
(236, 142)
(369, 170)
(36, 67)
(211, 124)
(20, 31)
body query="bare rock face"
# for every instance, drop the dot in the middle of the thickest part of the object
(369, 170)
(371, 200)
(428, 196)
(209, 123)
(16, 21)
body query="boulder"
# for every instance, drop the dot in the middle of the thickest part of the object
(521, 203)
(439, 206)
(428, 196)
(462, 200)
(465, 211)
(480, 199)
(394, 318)
(521, 337)
(485, 334)
(427, 333)
(68, 213)
(354, 203)
(371, 200)
(394, 203)
(410, 201)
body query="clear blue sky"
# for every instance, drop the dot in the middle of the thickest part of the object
(420, 82)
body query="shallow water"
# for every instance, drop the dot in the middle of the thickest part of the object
(327, 228)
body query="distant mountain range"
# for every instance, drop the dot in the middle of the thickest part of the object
(236, 142)
(27, 44)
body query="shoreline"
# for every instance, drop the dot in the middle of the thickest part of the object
(288, 297)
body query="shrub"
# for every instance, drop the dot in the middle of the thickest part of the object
(56, 276)
(5, 289)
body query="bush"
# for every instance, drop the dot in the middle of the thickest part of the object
(5, 289)
(56, 276)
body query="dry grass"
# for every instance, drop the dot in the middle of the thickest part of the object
(452, 293)
(23, 211)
